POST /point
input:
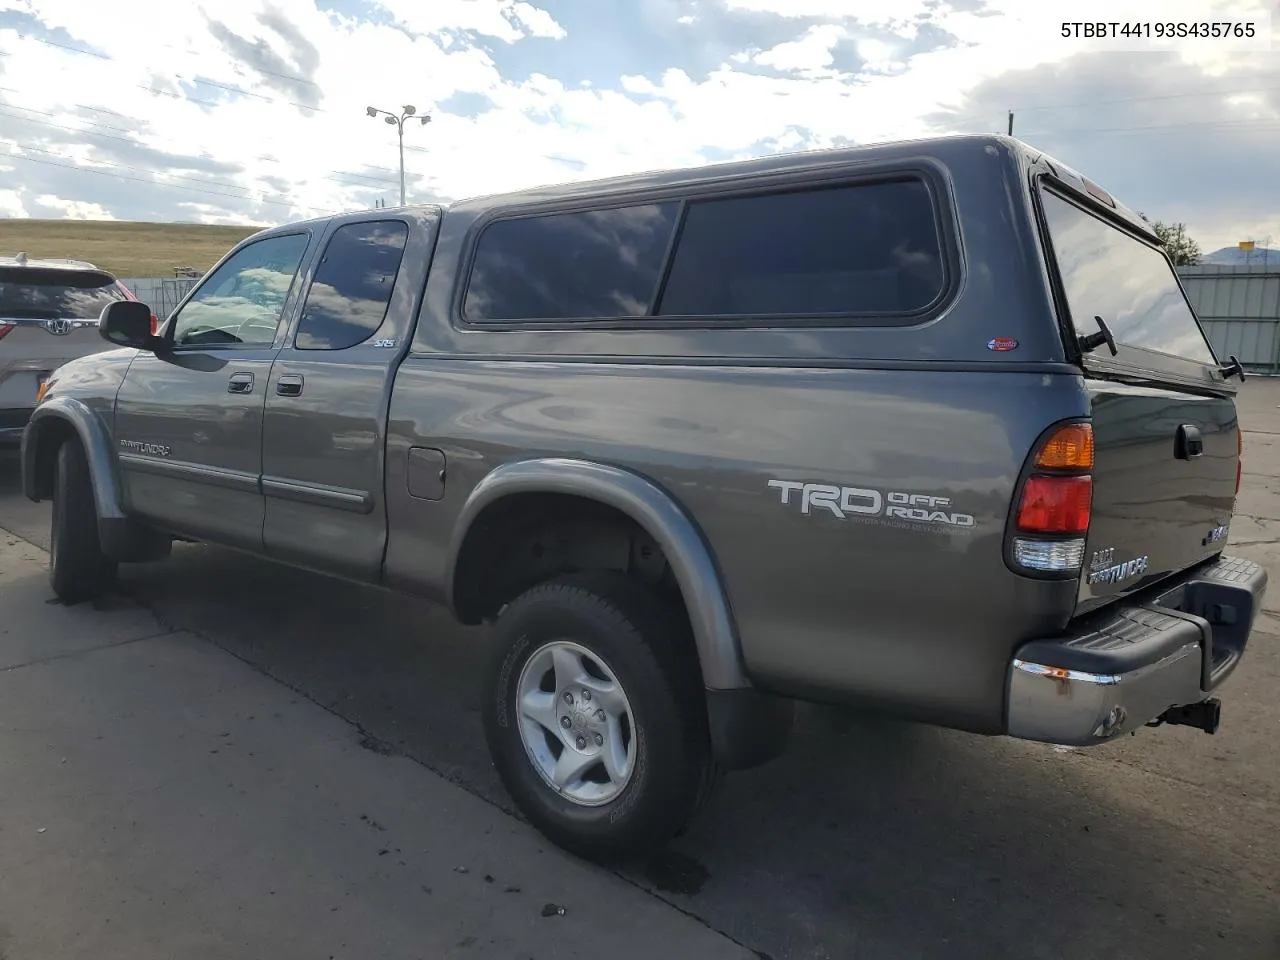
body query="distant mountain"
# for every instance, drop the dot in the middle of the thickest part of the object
(1235, 257)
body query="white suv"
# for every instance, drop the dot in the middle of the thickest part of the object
(48, 315)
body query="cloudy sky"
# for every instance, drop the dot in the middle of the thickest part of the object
(254, 110)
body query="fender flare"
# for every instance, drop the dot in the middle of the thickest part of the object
(658, 513)
(93, 436)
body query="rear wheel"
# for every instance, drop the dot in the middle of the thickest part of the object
(595, 715)
(78, 569)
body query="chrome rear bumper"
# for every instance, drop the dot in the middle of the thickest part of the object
(1134, 664)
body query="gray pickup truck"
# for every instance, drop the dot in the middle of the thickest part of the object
(927, 428)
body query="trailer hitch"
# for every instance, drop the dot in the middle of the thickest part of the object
(1205, 715)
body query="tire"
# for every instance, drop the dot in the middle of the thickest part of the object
(78, 569)
(643, 641)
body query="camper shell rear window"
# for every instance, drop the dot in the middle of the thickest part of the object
(1108, 272)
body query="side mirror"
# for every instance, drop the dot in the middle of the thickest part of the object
(127, 323)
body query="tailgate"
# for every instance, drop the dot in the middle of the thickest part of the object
(31, 348)
(1166, 434)
(1159, 506)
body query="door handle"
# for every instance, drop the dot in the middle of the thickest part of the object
(1189, 443)
(240, 383)
(289, 385)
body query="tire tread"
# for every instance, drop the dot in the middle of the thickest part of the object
(79, 570)
(658, 626)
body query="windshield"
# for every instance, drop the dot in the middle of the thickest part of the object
(1110, 274)
(49, 294)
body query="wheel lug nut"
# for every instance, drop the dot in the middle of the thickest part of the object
(582, 743)
(586, 695)
(568, 697)
(599, 740)
(600, 715)
(566, 722)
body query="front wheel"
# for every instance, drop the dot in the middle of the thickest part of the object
(78, 569)
(595, 715)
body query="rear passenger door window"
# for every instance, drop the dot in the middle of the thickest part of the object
(349, 296)
(864, 249)
(596, 264)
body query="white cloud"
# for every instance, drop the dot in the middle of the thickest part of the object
(1215, 232)
(879, 13)
(11, 204)
(501, 19)
(208, 213)
(74, 209)
(537, 21)
(810, 52)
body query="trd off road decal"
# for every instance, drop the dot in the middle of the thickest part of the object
(916, 511)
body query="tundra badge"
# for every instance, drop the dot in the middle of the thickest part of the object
(149, 449)
(1102, 570)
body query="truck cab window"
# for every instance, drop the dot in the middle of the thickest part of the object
(570, 266)
(870, 249)
(349, 297)
(241, 302)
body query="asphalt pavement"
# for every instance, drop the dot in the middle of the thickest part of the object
(233, 758)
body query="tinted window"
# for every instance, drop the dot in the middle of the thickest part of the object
(1110, 274)
(240, 303)
(349, 296)
(600, 263)
(27, 292)
(871, 249)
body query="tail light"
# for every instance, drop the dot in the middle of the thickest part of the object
(1055, 505)
(155, 324)
(1055, 502)
(5, 328)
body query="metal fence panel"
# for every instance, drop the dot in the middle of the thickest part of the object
(161, 294)
(1239, 307)
(1252, 342)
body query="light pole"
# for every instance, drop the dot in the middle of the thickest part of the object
(397, 120)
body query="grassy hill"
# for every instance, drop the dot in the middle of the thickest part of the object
(126, 249)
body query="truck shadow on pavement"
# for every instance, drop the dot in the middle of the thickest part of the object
(868, 838)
